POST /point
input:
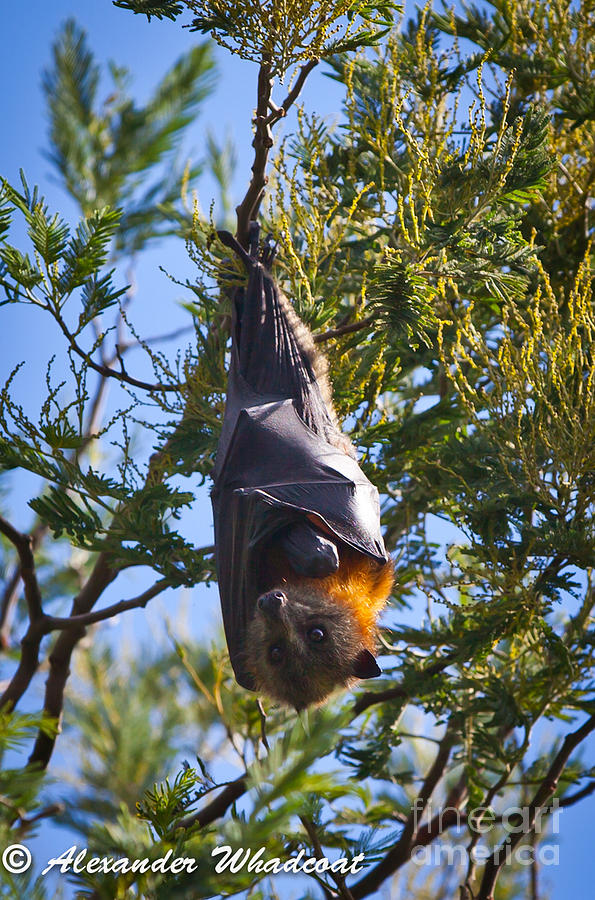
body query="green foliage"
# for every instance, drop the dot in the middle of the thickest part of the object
(106, 152)
(20, 807)
(287, 34)
(49, 284)
(129, 736)
(402, 299)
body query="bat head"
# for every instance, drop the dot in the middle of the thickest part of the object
(302, 644)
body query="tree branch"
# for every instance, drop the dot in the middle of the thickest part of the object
(543, 793)
(448, 817)
(403, 849)
(370, 698)
(41, 624)
(73, 628)
(262, 143)
(571, 799)
(267, 114)
(342, 889)
(278, 112)
(24, 547)
(25, 823)
(102, 575)
(10, 596)
(29, 660)
(59, 660)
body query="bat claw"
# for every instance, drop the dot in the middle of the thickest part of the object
(230, 241)
(265, 254)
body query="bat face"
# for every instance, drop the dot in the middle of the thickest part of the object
(301, 645)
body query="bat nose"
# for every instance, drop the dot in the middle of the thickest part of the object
(272, 602)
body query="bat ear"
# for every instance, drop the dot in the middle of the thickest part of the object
(365, 666)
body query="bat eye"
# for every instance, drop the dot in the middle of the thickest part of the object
(275, 653)
(316, 634)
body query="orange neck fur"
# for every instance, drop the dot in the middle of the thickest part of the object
(361, 585)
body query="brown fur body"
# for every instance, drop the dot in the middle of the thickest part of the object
(319, 364)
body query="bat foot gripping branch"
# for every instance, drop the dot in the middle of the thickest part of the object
(264, 254)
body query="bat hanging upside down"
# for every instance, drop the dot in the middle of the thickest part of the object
(301, 563)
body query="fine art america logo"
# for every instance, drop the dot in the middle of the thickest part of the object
(514, 822)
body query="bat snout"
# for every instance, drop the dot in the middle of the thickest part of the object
(271, 603)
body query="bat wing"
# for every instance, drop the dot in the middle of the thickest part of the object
(276, 472)
(275, 464)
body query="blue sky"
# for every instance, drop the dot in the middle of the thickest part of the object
(148, 49)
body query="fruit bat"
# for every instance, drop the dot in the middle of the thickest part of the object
(301, 563)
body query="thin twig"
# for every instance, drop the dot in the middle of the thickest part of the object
(58, 623)
(342, 889)
(25, 822)
(106, 371)
(278, 112)
(571, 799)
(343, 329)
(124, 346)
(263, 723)
(534, 871)
(217, 807)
